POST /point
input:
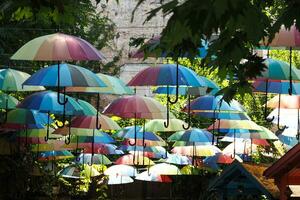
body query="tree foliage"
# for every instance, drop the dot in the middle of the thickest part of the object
(234, 29)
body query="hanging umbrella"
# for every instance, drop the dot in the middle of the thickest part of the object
(88, 109)
(7, 101)
(261, 142)
(74, 171)
(157, 125)
(170, 74)
(193, 135)
(121, 170)
(57, 47)
(191, 170)
(121, 133)
(182, 90)
(119, 180)
(54, 155)
(235, 124)
(51, 145)
(240, 147)
(25, 116)
(197, 150)
(177, 159)
(12, 80)
(89, 122)
(286, 38)
(218, 158)
(288, 118)
(275, 86)
(136, 107)
(145, 176)
(113, 86)
(88, 158)
(223, 115)
(99, 148)
(131, 134)
(139, 160)
(146, 143)
(164, 169)
(254, 134)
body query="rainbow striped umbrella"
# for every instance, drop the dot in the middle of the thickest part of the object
(56, 47)
(76, 172)
(139, 134)
(25, 117)
(7, 101)
(12, 80)
(177, 159)
(235, 124)
(71, 75)
(46, 101)
(51, 145)
(89, 122)
(275, 86)
(136, 107)
(185, 90)
(113, 86)
(264, 133)
(139, 160)
(121, 133)
(193, 135)
(54, 155)
(197, 150)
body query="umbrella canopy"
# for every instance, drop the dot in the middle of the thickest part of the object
(247, 134)
(74, 171)
(286, 102)
(46, 101)
(165, 74)
(118, 180)
(177, 159)
(288, 117)
(198, 150)
(89, 122)
(276, 86)
(214, 103)
(182, 90)
(98, 159)
(71, 75)
(54, 155)
(56, 47)
(193, 135)
(278, 70)
(145, 176)
(136, 107)
(141, 142)
(139, 134)
(25, 117)
(218, 158)
(88, 109)
(113, 86)
(82, 132)
(51, 145)
(7, 101)
(122, 133)
(234, 124)
(121, 170)
(38, 133)
(12, 80)
(242, 146)
(99, 137)
(134, 159)
(191, 170)
(99, 148)
(261, 142)
(286, 37)
(223, 115)
(157, 125)
(164, 169)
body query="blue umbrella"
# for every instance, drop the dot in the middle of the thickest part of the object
(186, 90)
(139, 134)
(193, 135)
(177, 159)
(46, 101)
(223, 115)
(123, 132)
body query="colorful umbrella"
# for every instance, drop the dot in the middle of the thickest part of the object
(288, 118)
(12, 80)
(247, 134)
(25, 117)
(275, 86)
(136, 107)
(74, 171)
(157, 125)
(191, 170)
(122, 133)
(89, 122)
(145, 176)
(240, 147)
(119, 180)
(57, 47)
(223, 115)
(235, 124)
(131, 134)
(54, 155)
(89, 159)
(193, 135)
(197, 150)
(164, 169)
(121, 170)
(113, 86)
(138, 160)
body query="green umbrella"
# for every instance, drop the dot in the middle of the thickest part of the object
(97, 159)
(7, 101)
(157, 125)
(88, 109)
(13, 79)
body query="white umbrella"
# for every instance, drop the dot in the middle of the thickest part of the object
(121, 170)
(164, 169)
(118, 179)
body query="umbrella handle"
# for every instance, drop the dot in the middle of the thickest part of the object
(270, 120)
(58, 88)
(91, 163)
(189, 115)
(281, 129)
(167, 123)
(135, 131)
(177, 85)
(98, 125)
